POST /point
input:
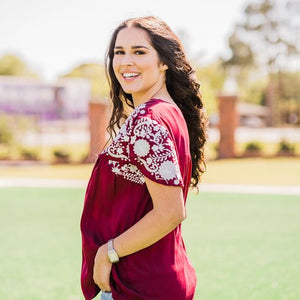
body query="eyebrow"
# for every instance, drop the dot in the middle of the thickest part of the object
(133, 47)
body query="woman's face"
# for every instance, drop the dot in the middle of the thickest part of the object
(136, 63)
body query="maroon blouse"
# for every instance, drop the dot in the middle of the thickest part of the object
(153, 142)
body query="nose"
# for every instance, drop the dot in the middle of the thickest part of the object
(127, 60)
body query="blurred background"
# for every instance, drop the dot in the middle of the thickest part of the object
(52, 69)
(242, 230)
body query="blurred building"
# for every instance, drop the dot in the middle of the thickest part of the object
(65, 99)
(252, 115)
(249, 115)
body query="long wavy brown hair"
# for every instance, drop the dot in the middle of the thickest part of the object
(180, 82)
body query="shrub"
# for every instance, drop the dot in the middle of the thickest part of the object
(29, 154)
(253, 146)
(286, 149)
(61, 156)
(253, 149)
(286, 146)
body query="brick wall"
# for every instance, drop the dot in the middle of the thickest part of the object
(227, 124)
(98, 117)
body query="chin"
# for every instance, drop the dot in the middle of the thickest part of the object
(130, 91)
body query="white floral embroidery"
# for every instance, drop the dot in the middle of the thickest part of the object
(152, 148)
(167, 170)
(128, 171)
(141, 147)
(149, 160)
(119, 150)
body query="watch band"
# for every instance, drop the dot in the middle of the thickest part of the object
(111, 252)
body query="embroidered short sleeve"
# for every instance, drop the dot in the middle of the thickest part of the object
(152, 150)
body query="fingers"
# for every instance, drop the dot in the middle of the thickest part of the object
(104, 286)
(102, 277)
(102, 270)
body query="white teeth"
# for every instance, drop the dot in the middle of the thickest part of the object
(129, 75)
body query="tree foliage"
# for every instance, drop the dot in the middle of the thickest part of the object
(268, 42)
(241, 53)
(211, 79)
(267, 35)
(12, 65)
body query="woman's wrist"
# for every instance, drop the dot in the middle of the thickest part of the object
(112, 254)
(102, 253)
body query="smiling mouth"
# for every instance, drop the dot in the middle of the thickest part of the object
(130, 75)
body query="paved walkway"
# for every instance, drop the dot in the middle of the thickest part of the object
(222, 188)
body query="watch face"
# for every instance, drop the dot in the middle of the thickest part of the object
(113, 256)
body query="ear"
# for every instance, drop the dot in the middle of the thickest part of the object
(163, 67)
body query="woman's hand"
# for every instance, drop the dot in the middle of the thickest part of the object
(102, 269)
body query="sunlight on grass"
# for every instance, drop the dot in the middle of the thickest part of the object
(242, 246)
(278, 171)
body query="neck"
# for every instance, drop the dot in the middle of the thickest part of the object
(159, 92)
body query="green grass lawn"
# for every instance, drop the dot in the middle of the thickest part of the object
(245, 246)
(39, 253)
(242, 246)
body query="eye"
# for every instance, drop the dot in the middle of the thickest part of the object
(139, 52)
(118, 52)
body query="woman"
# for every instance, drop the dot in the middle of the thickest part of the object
(135, 200)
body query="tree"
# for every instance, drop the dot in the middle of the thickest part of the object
(241, 62)
(289, 94)
(269, 38)
(12, 65)
(211, 78)
(269, 27)
(241, 53)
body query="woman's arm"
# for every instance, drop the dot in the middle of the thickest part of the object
(168, 211)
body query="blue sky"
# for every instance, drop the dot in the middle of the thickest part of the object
(54, 36)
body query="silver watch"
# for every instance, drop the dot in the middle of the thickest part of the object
(111, 252)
